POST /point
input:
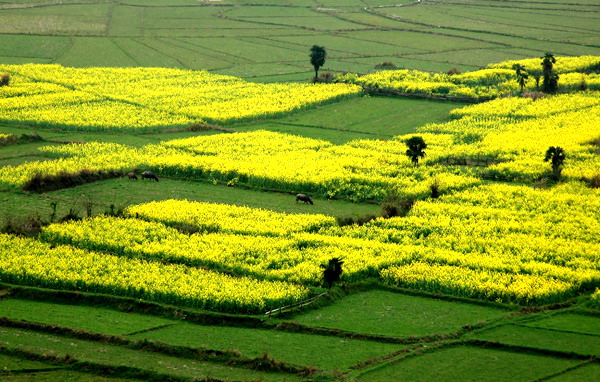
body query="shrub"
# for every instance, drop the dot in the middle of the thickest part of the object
(387, 65)
(44, 182)
(583, 85)
(401, 207)
(594, 182)
(5, 79)
(435, 189)
(22, 227)
(325, 78)
(533, 95)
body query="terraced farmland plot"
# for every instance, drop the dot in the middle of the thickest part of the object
(420, 35)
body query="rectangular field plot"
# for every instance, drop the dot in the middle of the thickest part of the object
(32, 48)
(385, 117)
(8, 364)
(95, 51)
(50, 345)
(91, 319)
(60, 375)
(344, 46)
(249, 51)
(65, 19)
(590, 372)
(479, 57)
(276, 70)
(569, 322)
(412, 63)
(338, 137)
(126, 21)
(144, 55)
(319, 23)
(274, 11)
(393, 314)
(543, 339)
(427, 42)
(303, 76)
(189, 56)
(324, 352)
(470, 364)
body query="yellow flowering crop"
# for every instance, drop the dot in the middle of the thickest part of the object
(479, 284)
(147, 98)
(213, 217)
(29, 262)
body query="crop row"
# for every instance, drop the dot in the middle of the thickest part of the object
(492, 82)
(211, 217)
(30, 262)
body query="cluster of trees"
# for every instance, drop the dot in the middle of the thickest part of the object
(549, 76)
(555, 155)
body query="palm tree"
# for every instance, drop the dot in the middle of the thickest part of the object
(333, 271)
(317, 58)
(416, 145)
(550, 83)
(522, 75)
(556, 156)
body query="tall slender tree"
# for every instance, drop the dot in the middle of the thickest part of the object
(556, 156)
(317, 58)
(550, 78)
(522, 75)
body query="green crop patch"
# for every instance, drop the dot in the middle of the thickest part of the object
(91, 319)
(90, 19)
(590, 372)
(383, 117)
(32, 48)
(10, 364)
(139, 51)
(470, 364)
(126, 21)
(84, 50)
(60, 375)
(398, 315)
(569, 322)
(110, 355)
(324, 352)
(516, 335)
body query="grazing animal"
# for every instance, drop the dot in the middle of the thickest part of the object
(149, 175)
(304, 198)
(132, 176)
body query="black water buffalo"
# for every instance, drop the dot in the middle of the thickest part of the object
(304, 198)
(149, 175)
(132, 176)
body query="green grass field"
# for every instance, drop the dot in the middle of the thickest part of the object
(356, 333)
